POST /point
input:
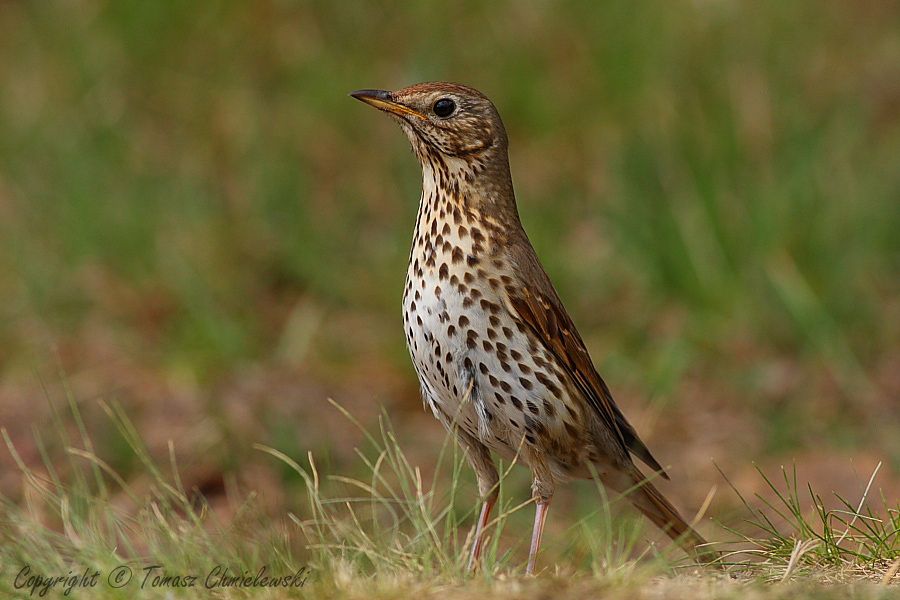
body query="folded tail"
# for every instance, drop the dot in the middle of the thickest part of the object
(660, 511)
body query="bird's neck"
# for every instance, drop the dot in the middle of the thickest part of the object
(470, 190)
(467, 217)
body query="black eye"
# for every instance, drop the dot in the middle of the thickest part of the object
(444, 107)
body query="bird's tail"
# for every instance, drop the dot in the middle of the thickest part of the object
(660, 511)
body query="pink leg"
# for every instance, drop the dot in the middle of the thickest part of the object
(540, 516)
(486, 509)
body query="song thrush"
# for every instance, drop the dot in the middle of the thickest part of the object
(499, 360)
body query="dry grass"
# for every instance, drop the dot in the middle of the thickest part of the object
(397, 534)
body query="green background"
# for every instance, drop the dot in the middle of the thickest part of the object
(196, 221)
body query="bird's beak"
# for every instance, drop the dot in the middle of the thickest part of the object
(383, 100)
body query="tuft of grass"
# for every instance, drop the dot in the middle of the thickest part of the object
(854, 541)
(395, 522)
(131, 533)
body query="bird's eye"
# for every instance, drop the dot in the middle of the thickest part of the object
(444, 107)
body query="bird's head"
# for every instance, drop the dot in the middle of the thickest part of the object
(449, 119)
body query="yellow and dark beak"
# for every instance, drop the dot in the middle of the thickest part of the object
(383, 100)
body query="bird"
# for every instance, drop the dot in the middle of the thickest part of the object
(499, 361)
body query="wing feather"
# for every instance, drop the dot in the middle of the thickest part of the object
(545, 315)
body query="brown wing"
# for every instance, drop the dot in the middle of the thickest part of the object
(545, 315)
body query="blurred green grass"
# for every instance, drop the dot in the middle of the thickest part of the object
(702, 179)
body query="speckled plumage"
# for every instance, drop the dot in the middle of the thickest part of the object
(499, 361)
